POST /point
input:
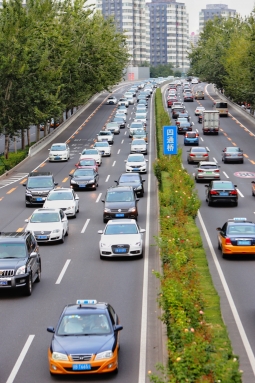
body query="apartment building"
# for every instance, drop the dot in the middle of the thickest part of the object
(213, 10)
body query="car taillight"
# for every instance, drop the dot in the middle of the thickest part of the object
(227, 155)
(233, 192)
(216, 171)
(200, 171)
(227, 242)
(213, 192)
(205, 155)
(192, 155)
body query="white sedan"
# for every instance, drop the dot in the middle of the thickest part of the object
(48, 225)
(121, 237)
(138, 146)
(136, 163)
(59, 152)
(121, 113)
(65, 199)
(91, 153)
(103, 147)
(198, 110)
(105, 136)
(113, 127)
(111, 100)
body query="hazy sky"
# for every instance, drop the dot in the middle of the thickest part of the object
(243, 7)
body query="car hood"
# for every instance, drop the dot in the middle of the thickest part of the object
(82, 344)
(83, 178)
(58, 152)
(37, 189)
(11, 263)
(136, 163)
(45, 226)
(120, 205)
(132, 184)
(61, 204)
(95, 156)
(120, 239)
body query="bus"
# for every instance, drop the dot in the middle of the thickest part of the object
(222, 107)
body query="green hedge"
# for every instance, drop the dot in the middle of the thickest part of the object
(199, 349)
(13, 160)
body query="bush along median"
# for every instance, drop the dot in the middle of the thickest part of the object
(199, 349)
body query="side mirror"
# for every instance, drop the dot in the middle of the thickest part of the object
(143, 180)
(118, 327)
(51, 329)
(192, 123)
(24, 184)
(253, 182)
(125, 160)
(102, 200)
(146, 160)
(55, 183)
(77, 198)
(100, 231)
(33, 254)
(26, 220)
(137, 199)
(49, 149)
(71, 175)
(142, 231)
(206, 186)
(218, 229)
(235, 186)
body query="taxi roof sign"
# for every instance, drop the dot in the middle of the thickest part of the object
(86, 302)
(238, 219)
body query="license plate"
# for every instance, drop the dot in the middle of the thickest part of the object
(82, 186)
(223, 193)
(57, 158)
(104, 139)
(3, 283)
(119, 215)
(39, 199)
(244, 243)
(121, 250)
(81, 367)
(42, 237)
(134, 169)
(208, 172)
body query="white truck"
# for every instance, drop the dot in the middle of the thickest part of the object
(211, 122)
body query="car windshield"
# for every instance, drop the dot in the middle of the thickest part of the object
(12, 250)
(135, 158)
(90, 151)
(241, 229)
(182, 119)
(58, 148)
(118, 119)
(139, 132)
(36, 182)
(100, 144)
(198, 150)
(104, 133)
(87, 163)
(60, 196)
(121, 229)
(129, 178)
(223, 185)
(84, 172)
(208, 166)
(191, 135)
(140, 115)
(119, 196)
(233, 150)
(134, 125)
(112, 125)
(45, 217)
(84, 324)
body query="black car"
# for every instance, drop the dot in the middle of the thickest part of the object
(221, 191)
(20, 261)
(38, 186)
(176, 110)
(84, 179)
(120, 202)
(134, 180)
(86, 339)
(120, 121)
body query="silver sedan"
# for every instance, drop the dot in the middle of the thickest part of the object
(197, 154)
(232, 154)
(207, 170)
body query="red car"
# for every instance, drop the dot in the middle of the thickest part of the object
(87, 163)
(170, 101)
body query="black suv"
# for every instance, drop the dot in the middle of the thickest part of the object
(134, 180)
(20, 261)
(38, 186)
(120, 202)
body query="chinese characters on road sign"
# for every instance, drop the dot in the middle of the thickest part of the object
(170, 140)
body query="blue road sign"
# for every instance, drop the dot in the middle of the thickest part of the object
(170, 142)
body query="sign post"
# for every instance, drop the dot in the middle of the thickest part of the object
(170, 142)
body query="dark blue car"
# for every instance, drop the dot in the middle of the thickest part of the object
(191, 138)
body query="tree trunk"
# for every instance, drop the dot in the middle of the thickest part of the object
(38, 133)
(22, 139)
(28, 137)
(6, 146)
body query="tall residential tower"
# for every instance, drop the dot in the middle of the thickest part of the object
(213, 10)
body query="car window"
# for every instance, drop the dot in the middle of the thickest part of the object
(59, 196)
(37, 182)
(58, 147)
(39, 217)
(13, 250)
(105, 133)
(95, 324)
(87, 162)
(234, 150)
(121, 229)
(223, 185)
(198, 150)
(191, 135)
(129, 178)
(241, 229)
(208, 166)
(119, 196)
(83, 172)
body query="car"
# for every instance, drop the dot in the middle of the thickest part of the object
(178, 103)
(113, 127)
(120, 113)
(87, 163)
(120, 120)
(112, 100)
(103, 147)
(123, 101)
(134, 126)
(59, 152)
(199, 95)
(183, 125)
(138, 146)
(194, 81)
(136, 163)
(84, 179)
(207, 170)
(143, 102)
(184, 115)
(105, 135)
(64, 199)
(191, 138)
(120, 202)
(176, 110)
(131, 98)
(236, 237)
(198, 110)
(141, 117)
(232, 154)
(38, 186)
(197, 154)
(171, 101)
(121, 238)
(140, 134)
(221, 191)
(134, 180)
(123, 108)
(188, 97)
(48, 225)
(91, 153)
(86, 339)
(144, 94)
(20, 261)
(142, 109)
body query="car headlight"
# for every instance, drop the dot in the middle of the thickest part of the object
(104, 355)
(70, 207)
(103, 244)
(73, 182)
(132, 209)
(56, 231)
(138, 187)
(59, 356)
(91, 181)
(21, 270)
(28, 192)
(137, 244)
(106, 210)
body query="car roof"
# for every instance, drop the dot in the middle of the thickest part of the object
(13, 236)
(59, 143)
(120, 188)
(121, 220)
(40, 174)
(208, 163)
(61, 190)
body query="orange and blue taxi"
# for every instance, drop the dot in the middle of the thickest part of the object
(236, 237)
(86, 339)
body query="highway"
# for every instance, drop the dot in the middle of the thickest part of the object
(233, 277)
(73, 270)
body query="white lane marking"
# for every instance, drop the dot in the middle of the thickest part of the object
(124, 134)
(142, 376)
(107, 178)
(118, 152)
(225, 174)
(214, 159)
(114, 163)
(122, 140)
(229, 297)
(207, 149)
(98, 198)
(62, 272)
(201, 138)
(238, 191)
(197, 130)
(20, 359)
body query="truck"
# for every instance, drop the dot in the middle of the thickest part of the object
(211, 121)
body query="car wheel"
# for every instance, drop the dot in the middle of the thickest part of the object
(219, 245)
(38, 279)
(197, 181)
(74, 216)
(224, 255)
(28, 287)
(101, 256)
(78, 210)
(105, 220)
(141, 194)
(235, 204)
(209, 203)
(241, 162)
(62, 240)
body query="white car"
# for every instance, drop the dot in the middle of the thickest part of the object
(121, 237)
(141, 107)
(91, 153)
(64, 199)
(141, 117)
(113, 127)
(59, 152)
(121, 113)
(122, 108)
(194, 81)
(138, 146)
(103, 147)
(111, 100)
(48, 225)
(136, 163)
(207, 170)
(123, 101)
(105, 135)
(198, 110)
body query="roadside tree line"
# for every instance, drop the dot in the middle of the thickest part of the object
(53, 57)
(225, 56)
